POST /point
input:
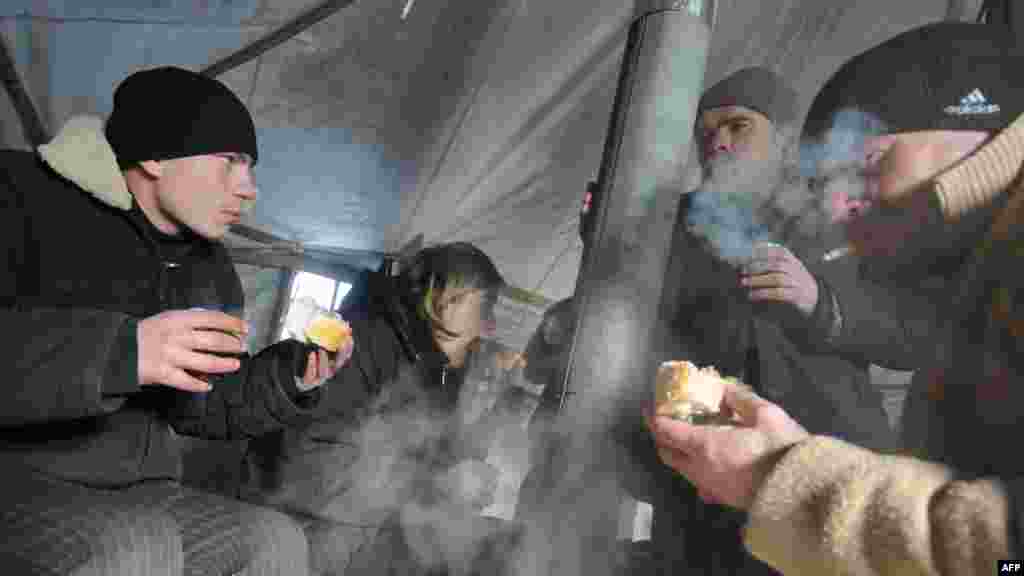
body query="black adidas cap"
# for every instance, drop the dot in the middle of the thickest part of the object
(941, 76)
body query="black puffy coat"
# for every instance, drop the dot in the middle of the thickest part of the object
(82, 268)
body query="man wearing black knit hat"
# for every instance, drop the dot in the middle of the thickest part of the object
(122, 311)
(941, 173)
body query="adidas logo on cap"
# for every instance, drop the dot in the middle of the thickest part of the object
(973, 103)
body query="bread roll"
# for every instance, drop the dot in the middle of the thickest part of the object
(688, 393)
(330, 333)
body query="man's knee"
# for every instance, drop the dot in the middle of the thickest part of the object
(54, 527)
(277, 542)
(134, 542)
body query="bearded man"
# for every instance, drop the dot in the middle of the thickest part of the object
(739, 296)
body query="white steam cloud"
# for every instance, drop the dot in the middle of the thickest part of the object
(424, 473)
(780, 199)
(412, 467)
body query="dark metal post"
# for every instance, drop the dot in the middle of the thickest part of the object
(276, 38)
(31, 122)
(645, 153)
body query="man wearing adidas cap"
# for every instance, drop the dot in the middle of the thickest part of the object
(943, 175)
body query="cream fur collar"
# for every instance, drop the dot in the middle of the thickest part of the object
(80, 152)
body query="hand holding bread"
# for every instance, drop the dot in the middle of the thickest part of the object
(727, 463)
(690, 394)
(329, 339)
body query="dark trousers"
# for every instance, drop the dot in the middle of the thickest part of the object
(690, 537)
(53, 527)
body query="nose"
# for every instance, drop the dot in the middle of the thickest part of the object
(717, 141)
(857, 207)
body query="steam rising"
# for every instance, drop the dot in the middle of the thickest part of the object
(431, 474)
(746, 201)
(841, 147)
(778, 198)
(424, 473)
(427, 469)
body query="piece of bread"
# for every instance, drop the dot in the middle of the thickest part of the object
(331, 334)
(683, 391)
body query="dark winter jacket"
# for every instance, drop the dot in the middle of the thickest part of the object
(785, 358)
(889, 326)
(547, 361)
(83, 266)
(547, 354)
(962, 514)
(396, 397)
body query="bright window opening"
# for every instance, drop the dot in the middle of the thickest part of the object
(326, 292)
(342, 291)
(320, 288)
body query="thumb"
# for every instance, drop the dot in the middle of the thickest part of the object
(742, 401)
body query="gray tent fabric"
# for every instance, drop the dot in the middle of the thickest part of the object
(473, 120)
(478, 121)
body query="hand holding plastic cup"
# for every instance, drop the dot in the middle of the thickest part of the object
(193, 405)
(771, 261)
(232, 311)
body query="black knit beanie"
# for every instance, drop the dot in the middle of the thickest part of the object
(941, 76)
(168, 112)
(755, 88)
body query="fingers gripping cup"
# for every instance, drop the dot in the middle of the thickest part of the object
(193, 404)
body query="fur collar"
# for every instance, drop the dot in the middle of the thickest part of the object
(80, 152)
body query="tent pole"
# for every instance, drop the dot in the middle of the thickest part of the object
(276, 38)
(616, 347)
(31, 122)
(257, 235)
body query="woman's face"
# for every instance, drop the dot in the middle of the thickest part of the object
(461, 312)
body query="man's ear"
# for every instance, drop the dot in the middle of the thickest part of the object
(152, 168)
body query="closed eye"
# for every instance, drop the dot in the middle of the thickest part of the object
(738, 125)
(235, 159)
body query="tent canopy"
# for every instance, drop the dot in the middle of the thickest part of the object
(478, 121)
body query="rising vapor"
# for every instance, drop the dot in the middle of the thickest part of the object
(780, 199)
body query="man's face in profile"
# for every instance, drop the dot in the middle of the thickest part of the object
(880, 190)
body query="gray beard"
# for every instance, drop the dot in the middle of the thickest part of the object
(743, 202)
(727, 175)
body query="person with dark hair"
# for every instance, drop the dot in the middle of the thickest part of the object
(400, 443)
(123, 314)
(943, 176)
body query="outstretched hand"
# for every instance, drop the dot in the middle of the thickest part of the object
(321, 367)
(728, 464)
